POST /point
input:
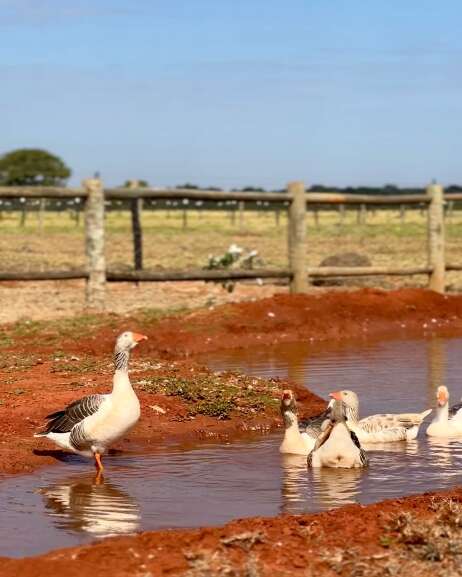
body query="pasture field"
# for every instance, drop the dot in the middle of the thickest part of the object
(384, 238)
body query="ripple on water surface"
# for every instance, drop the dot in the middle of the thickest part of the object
(209, 484)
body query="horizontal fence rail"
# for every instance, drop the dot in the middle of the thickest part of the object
(218, 195)
(218, 275)
(94, 198)
(43, 276)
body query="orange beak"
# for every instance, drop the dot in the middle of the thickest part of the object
(137, 337)
(442, 398)
(336, 395)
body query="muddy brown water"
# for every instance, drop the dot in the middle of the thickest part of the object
(211, 483)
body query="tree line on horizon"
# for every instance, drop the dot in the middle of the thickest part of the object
(37, 167)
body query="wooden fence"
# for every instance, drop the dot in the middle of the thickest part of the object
(96, 275)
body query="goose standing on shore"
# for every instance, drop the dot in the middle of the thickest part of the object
(337, 446)
(385, 428)
(447, 421)
(91, 424)
(299, 438)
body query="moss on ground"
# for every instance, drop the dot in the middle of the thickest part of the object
(217, 395)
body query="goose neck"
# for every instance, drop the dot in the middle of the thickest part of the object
(121, 358)
(442, 413)
(290, 420)
(352, 414)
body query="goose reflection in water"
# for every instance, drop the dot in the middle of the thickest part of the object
(293, 488)
(98, 509)
(305, 490)
(405, 447)
(334, 487)
(444, 451)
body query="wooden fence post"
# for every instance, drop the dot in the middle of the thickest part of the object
(136, 206)
(22, 220)
(436, 237)
(277, 216)
(41, 213)
(316, 216)
(297, 236)
(241, 207)
(402, 213)
(94, 243)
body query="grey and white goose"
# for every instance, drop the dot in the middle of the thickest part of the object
(337, 446)
(91, 424)
(384, 428)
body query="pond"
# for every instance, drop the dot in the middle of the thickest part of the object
(199, 484)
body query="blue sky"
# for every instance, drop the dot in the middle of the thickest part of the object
(236, 92)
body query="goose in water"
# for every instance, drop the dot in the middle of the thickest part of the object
(91, 424)
(448, 420)
(337, 446)
(299, 438)
(385, 428)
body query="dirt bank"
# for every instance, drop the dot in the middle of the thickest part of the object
(325, 316)
(419, 535)
(179, 399)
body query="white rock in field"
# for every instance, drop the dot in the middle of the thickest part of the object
(158, 409)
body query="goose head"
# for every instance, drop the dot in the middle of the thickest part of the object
(128, 341)
(350, 401)
(337, 412)
(442, 396)
(288, 402)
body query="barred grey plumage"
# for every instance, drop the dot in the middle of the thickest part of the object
(121, 360)
(453, 410)
(64, 421)
(362, 453)
(312, 425)
(309, 459)
(78, 439)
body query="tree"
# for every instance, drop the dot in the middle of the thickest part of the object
(187, 186)
(253, 189)
(140, 183)
(32, 167)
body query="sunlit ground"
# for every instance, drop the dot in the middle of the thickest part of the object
(385, 238)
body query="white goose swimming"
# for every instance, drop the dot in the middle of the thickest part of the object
(337, 446)
(384, 428)
(299, 438)
(91, 424)
(447, 421)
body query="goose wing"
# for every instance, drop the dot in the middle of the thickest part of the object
(362, 452)
(321, 439)
(312, 425)
(65, 420)
(376, 423)
(455, 411)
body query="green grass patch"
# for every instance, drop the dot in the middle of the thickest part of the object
(216, 395)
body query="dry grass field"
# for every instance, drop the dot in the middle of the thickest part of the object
(384, 238)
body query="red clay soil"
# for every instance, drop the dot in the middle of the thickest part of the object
(354, 540)
(326, 316)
